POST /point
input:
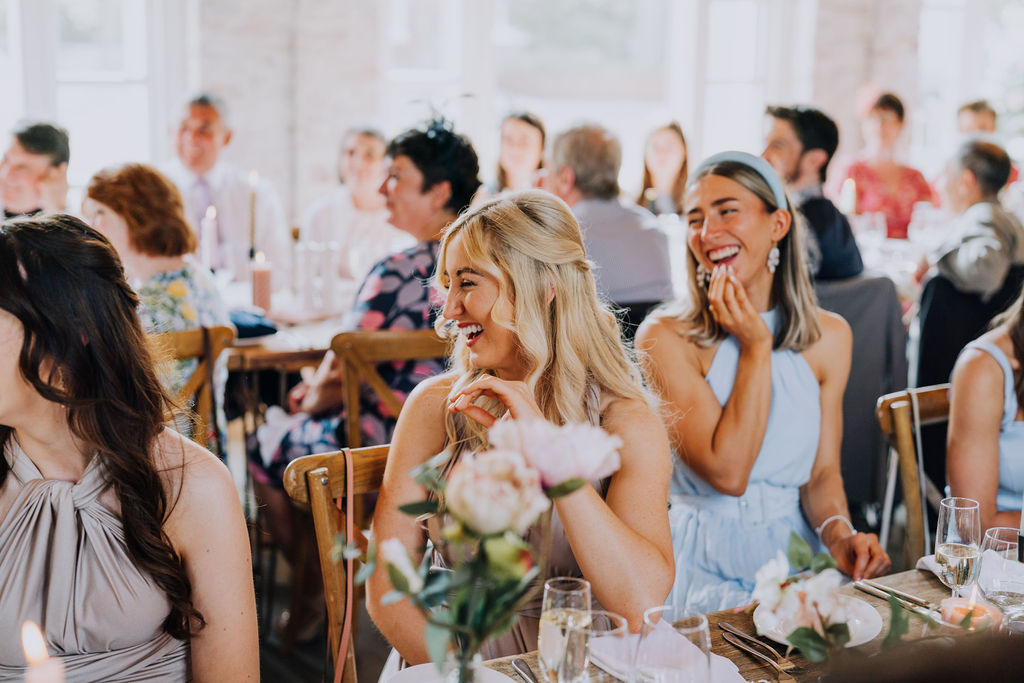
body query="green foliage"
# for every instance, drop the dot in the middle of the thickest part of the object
(798, 552)
(810, 643)
(565, 488)
(899, 623)
(419, 508)
(965, 623)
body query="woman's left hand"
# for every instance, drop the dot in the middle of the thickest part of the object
(860, 556)
(516, 396)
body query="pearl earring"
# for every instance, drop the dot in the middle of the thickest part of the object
(703, 276)
(773, 259)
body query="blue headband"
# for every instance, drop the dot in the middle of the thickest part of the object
(762, 167)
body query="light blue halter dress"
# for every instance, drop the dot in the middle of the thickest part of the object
(1011, 435)
(721, 541)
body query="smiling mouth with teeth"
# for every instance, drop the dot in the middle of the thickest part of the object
(723, 254)
(471, 331)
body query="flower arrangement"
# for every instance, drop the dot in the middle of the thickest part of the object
(487, 503)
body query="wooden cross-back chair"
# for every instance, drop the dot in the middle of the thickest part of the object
(321, 482)
(203, 344)
(360, 351)
(900, 419)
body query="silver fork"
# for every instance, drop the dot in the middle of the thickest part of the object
(784, 676)
(784, 663)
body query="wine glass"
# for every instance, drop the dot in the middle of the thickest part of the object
(564, 630)
(1001, 578)
(675, 647)
(957, 542)
(611, 646)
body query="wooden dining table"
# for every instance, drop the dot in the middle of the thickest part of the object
(916, 582)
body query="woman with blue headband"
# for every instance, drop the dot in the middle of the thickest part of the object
(752, 375)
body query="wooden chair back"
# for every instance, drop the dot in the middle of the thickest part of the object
(319, 481)
(360, 351)
(896, 418)
(204, 345)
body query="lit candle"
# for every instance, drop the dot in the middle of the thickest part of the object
(208, 237)
(983, 614)
(848, 196)
(41, 668)
(254, 181)
(261, 281)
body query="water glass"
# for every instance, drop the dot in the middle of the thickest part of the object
(675, 647)
(957, 542)
(565, 626)
(612, 647)
(1001, 578)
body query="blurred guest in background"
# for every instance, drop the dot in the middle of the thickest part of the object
(624, 240)
(665, 163)
(34, 170)
(976, 117)
(140, 211)
(985, 455)
(884, 185)
(206, 180)
(353, 215)
(521, 153)
(799, 146)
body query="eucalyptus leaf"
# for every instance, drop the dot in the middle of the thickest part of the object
(798, 552)
(899, 623)
(437, 638)
(422, 507)
(810, 643)
(821, 562)
(363, 575)
(391, 597)
(398, 579)
(565, 488)
(838, 634)
(965, 623)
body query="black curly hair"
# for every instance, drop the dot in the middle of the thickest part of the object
(441, 154)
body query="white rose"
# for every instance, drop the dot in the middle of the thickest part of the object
(495, 491)
(769, 579)
(561, 452)
(823, 592)
(393, 552)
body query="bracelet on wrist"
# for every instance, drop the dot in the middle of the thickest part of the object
(833, 518)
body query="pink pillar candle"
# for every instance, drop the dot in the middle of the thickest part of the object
(983, 614)
(41, 668)
(261, 282)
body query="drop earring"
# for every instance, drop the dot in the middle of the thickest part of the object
(703, 276)
(773, 259)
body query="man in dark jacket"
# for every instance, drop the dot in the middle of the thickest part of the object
(799, 144)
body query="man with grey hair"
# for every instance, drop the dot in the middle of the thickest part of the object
(206, 180)
(985, 240)
(624, 240)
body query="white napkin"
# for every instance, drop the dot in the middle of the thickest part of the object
(999, 573)
(929, 564)
(612, 655)
(272, 431)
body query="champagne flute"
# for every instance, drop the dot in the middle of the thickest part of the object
(957, 541)
(564, 635)
(1001, 578)
(675, 647)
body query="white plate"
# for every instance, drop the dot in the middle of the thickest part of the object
(865, 623)
(428, 673)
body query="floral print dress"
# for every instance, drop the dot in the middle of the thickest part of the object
(177, 300)
(396, 295)
(896, 203)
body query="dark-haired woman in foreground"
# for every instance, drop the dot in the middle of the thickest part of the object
(122, 539)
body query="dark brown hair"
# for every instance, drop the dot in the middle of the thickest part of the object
(64, 282)
(529, 119)
(1013, 318)
(151, 206)
(888, 101)
(679, 185)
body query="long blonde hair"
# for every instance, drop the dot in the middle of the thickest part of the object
(568, 339)
(792, 292)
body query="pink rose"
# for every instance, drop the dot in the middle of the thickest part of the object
(495, 491)
(560, 453)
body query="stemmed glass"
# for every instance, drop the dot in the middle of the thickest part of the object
(1001, 578)
(564, 630)
(957, 541)
(675, 647)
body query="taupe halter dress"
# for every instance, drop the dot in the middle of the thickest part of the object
(64, 565)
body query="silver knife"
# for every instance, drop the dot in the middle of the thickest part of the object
(883, 595)
(900, 594)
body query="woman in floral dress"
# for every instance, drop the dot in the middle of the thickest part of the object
(141, 212)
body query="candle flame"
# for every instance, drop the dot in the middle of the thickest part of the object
(254, 178)
(974, 597)
(259, 257)
(211, 212)
(33, 644)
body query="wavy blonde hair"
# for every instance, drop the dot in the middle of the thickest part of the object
(792, 292)
(568, 339)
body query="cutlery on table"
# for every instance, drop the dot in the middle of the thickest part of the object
(884, 595)
(524, 670)
(900, 594)
(783, 662)
(784, 677)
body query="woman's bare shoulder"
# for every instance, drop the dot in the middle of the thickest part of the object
(196, 481)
